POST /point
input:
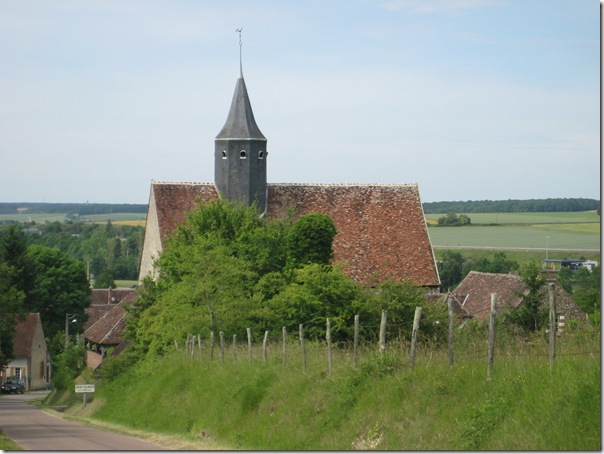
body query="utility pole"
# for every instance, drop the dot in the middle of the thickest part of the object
(68, 320)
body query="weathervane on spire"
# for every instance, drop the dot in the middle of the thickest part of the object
(238, 30)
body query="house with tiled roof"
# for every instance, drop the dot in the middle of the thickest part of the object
(107, 331)
(381, 229)
(472, 297)
(30, 359)
(102, 300)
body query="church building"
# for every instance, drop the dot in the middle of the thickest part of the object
(381, 229)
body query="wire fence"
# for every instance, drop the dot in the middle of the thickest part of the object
(551, 344)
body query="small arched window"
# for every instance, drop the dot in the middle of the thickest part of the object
(242, 154)
(224, 155)
(261, 154)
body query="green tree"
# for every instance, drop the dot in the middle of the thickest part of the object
(316, 292)
(399, 299)
(310, 240)
(12, 311)
(451, 220)
(532, 313)
(104, 280)
(450, 270)
(13, 252)
(16, 279)
(61, 287)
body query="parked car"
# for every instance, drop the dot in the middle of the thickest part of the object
(13, 386)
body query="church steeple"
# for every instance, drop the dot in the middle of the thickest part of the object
(240, 152)
(240, 123)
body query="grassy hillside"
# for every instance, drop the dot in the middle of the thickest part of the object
(382, 404)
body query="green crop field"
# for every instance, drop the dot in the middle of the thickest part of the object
(516, 236)
(526, 218)
(554, 231)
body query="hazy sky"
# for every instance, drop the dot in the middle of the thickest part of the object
(471, 99)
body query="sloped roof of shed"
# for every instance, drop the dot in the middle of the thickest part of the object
(109, 328)
(475, 292)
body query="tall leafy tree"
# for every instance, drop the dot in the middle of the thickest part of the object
(60, 288)
(13, 252)
(532, 312)
(450, 269)
(16, 280)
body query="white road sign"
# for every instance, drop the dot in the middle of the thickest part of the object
(84, 388)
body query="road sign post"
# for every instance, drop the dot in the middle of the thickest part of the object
(85, 389)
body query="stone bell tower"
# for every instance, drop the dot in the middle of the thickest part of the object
(240, 153)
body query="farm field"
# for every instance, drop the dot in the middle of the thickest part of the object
(41, 218)
(565, 231)
(561, 236)
(526, 218)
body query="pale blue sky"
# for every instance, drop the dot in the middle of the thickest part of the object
(471, 99)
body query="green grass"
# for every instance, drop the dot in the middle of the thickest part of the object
(6, 444)
(382, 404)
(518, 236)
(527, 218)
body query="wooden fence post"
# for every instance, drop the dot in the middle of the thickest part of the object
(221, 345)
(301, 331)
(249, 343)
(383, 331)
(199, 345)
(418, 314)
(235, 348)
(451, 330)
(193, 339)
(492, 320)
(264, 344)
(328, 337)
(212, 342)
(356, 341)
(552, 326)
(284, 329)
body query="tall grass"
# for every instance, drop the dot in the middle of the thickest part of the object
(381, 404)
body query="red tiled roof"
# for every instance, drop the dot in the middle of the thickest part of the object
(475, 290)
(174, 200)
(101, 296)
(103, 300)
(381, 228)
(24, 335)
(109, 328)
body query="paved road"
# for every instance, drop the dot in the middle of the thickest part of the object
(35, 430)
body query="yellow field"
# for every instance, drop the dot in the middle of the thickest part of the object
(141, 222)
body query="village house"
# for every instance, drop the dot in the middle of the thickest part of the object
(105, 326)
(30, 357)
(472, 297)
(381, 229)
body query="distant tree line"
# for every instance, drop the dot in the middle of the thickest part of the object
(73, 208)
(512, 206)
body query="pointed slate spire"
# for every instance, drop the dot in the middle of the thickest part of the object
(240, 123)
